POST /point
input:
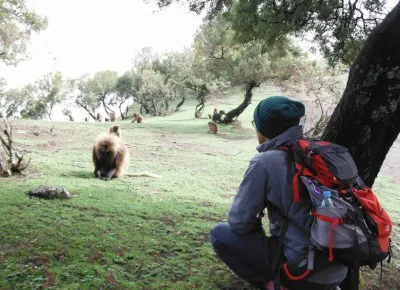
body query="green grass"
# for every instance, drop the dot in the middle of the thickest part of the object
(129, 233)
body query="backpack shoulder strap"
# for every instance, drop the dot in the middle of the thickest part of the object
(291, 221)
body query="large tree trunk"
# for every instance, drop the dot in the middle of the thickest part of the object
(367, 118)
(247, 100)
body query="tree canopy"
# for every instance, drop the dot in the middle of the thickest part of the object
(338, 28)
(17, 23)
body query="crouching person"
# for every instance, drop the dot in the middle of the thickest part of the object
(285, 259)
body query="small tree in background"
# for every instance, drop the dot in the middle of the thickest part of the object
(125, 91)
(225, 60)
(85, 98)
(12, 101)
(14, 161)
(51, 91)
(102, 85)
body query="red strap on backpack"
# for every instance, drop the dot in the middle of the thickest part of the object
(295, 278)
(333, 222)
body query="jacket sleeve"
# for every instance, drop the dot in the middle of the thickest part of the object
(250, 198)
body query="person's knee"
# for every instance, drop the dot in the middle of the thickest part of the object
(219, 234)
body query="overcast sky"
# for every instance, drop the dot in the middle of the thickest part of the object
(85, 36)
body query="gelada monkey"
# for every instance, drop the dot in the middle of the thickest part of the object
(98, 117)
(213, 127)
(111, 156)
(112, 116)
(137, 118)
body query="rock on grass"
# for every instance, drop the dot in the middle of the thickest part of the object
(50, 192)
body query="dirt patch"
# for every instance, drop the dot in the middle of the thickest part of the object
(207, 204)
(86, 209)
(43, 261)
(230, 137)
(168, 254)
(61, 255)
(40, 260)
(2, 258)
(210, 217)
(203, 238)
(120, 254)
(228, 196)
(110, 280)
(48, 146)
(51, 278)
(372, 281)
(96, 256)
(168, 221)
(174, 142)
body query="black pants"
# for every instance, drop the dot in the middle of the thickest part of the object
(352, 280)
(250, 255)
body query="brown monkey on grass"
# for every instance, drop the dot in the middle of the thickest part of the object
(137, 118)
(111, 156)
(115, 130)
(99, 117)
(112, 116)
(213, 127)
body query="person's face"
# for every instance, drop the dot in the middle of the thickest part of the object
(261, 138)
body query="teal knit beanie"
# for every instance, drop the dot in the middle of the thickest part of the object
(276, 114)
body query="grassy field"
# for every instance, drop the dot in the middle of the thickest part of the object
(133, 233)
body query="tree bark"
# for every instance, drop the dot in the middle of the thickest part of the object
(166, 105)
(4, 170)
(123, 117)
(106, 108)
(367, 118)
(144, 107)
(180, 104)
(199, 109)
(247, 100)
(83, 106)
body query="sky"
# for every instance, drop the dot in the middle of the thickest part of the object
(85, 36)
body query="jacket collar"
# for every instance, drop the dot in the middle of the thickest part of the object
(293, 133)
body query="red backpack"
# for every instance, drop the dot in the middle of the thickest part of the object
(356, 230)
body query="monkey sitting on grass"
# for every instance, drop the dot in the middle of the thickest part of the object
(137, 118)
(213, 127)
(111, 156)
